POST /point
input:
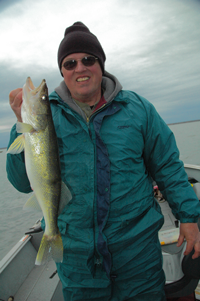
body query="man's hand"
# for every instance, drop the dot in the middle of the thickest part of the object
(15, 100)
(190, 232)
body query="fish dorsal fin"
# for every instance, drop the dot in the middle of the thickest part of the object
(65, 197)
(32, 203)
(22, 127)
(17, 146)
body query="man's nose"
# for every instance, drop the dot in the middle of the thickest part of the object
(80, 67)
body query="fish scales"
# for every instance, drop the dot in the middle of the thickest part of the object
(39, 142)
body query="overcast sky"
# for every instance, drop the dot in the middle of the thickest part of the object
(152, 47)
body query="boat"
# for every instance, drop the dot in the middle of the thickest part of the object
(182, 272)
(21, 279)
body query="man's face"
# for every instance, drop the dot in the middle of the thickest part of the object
(84, 83)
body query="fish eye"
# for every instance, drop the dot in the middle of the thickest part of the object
(43, 97)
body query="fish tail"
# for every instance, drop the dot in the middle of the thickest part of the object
(50, 247)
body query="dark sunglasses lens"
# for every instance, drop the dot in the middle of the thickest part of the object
(70, 65)
(88, 61)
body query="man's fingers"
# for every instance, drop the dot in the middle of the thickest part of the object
(190, 232)
(15, 97)
(15, 100)
(197, 250)
(195, 255)
(180, 240)
(189, 247)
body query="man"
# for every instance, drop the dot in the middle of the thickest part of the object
(112, 143)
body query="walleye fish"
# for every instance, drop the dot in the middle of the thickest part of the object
(39, 143)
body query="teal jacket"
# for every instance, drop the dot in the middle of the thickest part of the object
(108, 164)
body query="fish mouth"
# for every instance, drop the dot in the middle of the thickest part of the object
(31, 93)
(35, 102)
(31, 88)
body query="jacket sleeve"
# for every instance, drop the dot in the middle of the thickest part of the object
(161, 157)
(15, 167)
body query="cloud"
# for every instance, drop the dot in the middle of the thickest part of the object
(152, 47)
(4, 5)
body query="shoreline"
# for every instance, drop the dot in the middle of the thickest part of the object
(183, 122)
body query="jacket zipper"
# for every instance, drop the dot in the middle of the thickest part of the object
(88, 118)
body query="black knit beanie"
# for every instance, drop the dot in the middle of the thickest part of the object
(78, 38)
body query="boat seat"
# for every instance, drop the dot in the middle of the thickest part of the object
(188, 283)
(191, 267)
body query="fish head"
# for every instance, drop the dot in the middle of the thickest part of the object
(35, 105)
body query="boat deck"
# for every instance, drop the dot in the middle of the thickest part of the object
(36, 281)
(31, 282)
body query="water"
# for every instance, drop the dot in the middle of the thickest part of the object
(188, 140)
(14, 221)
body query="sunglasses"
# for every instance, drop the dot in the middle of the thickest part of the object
(87, 61)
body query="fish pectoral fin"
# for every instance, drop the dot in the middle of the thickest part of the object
(17, 146)
(32, 203)
(22, 127)
(65, 197)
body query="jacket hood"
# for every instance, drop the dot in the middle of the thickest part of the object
(110, 85)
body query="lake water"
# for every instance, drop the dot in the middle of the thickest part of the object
(188, 140)
(14, 221)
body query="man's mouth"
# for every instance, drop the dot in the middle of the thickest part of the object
(82, 79)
